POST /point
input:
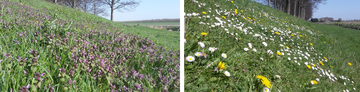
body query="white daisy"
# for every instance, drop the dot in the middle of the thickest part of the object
(202, 45)
(223, 55)
(317, 79)
(190, 58)
(250, 46)
(198, 54)
(265, 44)
(265, 89)
(278, 76)
(227, 73)
(254, 50)
(246, 49)
(212, 49)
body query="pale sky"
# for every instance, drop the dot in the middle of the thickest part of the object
(150, 9)
(344, 9)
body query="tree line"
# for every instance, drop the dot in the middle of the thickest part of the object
(99, 7)
(298, 8)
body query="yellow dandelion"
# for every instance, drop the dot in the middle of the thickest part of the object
(248, 17)
(221, 65)
(331, 66)
(264, 80)
(301, 36)
(241, 10)
(265, 15)
(37, 21)
(277, 33)
(21, 4)
(245, 18)
(349, 64)
(232, 1)
(308, 66)
(204, 34)
(224, 17)
(311, 44)
(313, 82)
(325, 58)
(324, 42)
(288, 28)
(292, 34)
(287, 47)
(204, 12)
(279, 53)
(270, 30)
(321, 63)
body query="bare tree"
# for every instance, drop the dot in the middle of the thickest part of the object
(288, 7)
(127, 5)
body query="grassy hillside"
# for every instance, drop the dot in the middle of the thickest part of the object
(47, 47)
(261, 48)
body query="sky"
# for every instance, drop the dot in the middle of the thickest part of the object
(344, 9)
(150, 9)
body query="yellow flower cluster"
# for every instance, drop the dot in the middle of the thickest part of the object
(221, 65)
(236, 11)
(308, 66)
(204, 34)
(264, 80)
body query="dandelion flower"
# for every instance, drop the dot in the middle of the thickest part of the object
(246, 49)
(224, 17)
(232, 1)
(308, 66)
(202, 45)
(204, 34)
(325, 58)
(212, 49)
(204, 12)
(321, 63)
(198, 54)
(190, 58)
(227, 73)
(223, 55)
(279, 53)
(264, 80)
(265, 89)
(349, 64)
(311, 44)
(313, 82)
(221, 65)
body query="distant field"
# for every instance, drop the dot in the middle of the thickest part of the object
(152, 23)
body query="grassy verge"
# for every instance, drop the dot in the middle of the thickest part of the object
(261, 48)
(47, 47)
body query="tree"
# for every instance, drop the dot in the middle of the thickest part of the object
(288, 7)
(127, 5)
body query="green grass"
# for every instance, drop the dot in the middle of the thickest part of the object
(46, 47)
(338, 45)
(152, 23)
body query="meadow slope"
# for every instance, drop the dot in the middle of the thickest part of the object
(48, 47)
(245, 46)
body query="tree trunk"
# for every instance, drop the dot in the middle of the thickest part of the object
(288, 7)
(299, 11)
(55, 1)
(295, 2)
(275, 4)
(112, 9)
(269, 3)
(74, 4)
(303, 13)
(95, 8)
